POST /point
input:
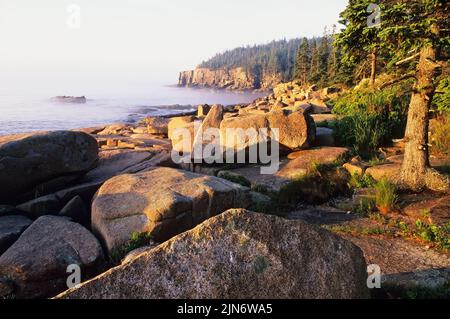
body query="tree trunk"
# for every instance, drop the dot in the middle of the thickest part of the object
(416, 173)
(373, 70)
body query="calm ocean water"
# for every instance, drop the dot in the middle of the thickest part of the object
(20, 113)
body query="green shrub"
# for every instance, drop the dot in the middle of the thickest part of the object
(440, 135)
(394, 99)
(364, 132)
(364, 181)
(371, 118)
(441, 100)
(385, 196)
(434, 233)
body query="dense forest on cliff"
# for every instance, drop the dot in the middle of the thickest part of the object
(310, 59)
(276, 57)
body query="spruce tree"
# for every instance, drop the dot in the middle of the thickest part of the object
(303, 62)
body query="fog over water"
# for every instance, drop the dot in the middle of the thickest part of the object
(35, 112)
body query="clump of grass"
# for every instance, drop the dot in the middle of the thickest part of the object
(371, 118)
(317, 186)
(365, 207)
(385, 196)
(263, 189)
(352, 230)
(137, 240)
(237, 179)
(374, 161)
(364, 181)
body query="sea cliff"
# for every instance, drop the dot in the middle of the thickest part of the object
(232, 79)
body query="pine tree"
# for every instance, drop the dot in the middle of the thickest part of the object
(323, 52)
(313, 75)
(303, 62)
(358, 40)
(333, 57)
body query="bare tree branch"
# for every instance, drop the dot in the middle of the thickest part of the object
(408, 59)
(402, 78)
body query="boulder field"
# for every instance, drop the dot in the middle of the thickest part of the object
(79, 197)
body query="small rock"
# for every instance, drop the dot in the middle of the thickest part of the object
(77, 211)
(45, 205)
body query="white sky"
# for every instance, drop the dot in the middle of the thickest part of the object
(148, 39)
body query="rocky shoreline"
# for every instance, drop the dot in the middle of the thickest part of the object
(86, 196)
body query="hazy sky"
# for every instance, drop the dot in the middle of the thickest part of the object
(140, 41)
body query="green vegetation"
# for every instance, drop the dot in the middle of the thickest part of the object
(235, 178)
(365, 207)
(276, 57)
(440, 135)
(352, 230)
(374, 161)
(439, 235)
(137, 240)
(364, 181)
(385, 196)
(441, 100)
(263, 189)
(321, 183)
(371, 119)
(314, 60)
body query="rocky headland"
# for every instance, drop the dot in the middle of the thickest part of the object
(230, 79)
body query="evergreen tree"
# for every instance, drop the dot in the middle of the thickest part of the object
(314, 75)
(359, 40)
(303, 62)
(420, 28)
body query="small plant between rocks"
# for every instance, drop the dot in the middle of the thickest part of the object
(385, 196)
(136, 241)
